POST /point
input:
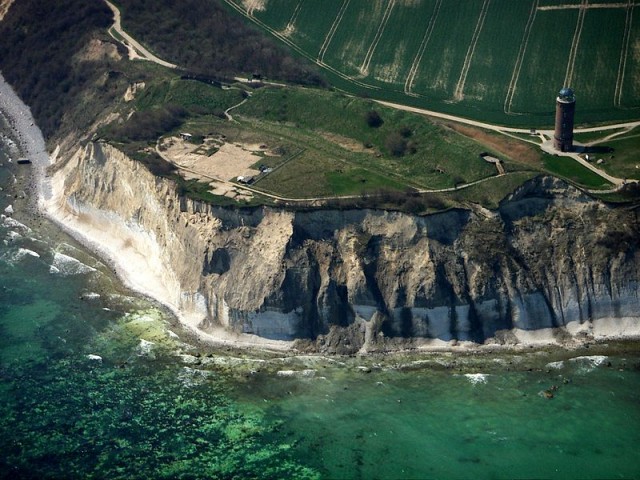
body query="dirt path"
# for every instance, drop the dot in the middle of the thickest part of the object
(136, 50)
(226, 112)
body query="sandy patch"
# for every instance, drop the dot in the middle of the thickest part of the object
(132, 90)
(213, 160)
(252, 6)
(4, 7)
(97, 50)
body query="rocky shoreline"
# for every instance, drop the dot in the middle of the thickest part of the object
(139, 253)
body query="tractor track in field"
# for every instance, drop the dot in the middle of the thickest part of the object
(511, 91)
(294, 17)
(332, 31)
(413, 71)
(364, 68)
(297, 48)
(458, 94)
(568, 78)
(624, 53)
(575, 6)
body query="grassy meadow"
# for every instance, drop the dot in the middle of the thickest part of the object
(497, 60)
(327, 145)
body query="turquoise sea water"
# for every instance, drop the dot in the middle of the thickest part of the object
(156, 406)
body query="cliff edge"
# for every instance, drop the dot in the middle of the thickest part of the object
(550, 265)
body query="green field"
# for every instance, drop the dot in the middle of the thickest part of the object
(496, 60)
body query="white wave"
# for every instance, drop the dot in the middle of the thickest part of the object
(66, 265)
(14, 256)
(296, 373)
(9, 222)
(555, 365)
(590, 362)
(476, 378)
(90, 296)
(13, 236)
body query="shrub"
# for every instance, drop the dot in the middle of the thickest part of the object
(396, 144)
(373, 119)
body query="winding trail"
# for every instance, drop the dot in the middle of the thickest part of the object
(226, 112)
(136, 50)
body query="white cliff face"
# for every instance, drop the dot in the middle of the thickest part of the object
(549, 264)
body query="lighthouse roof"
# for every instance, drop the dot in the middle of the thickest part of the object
(567, 94)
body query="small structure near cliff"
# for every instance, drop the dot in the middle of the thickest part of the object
(496, 161)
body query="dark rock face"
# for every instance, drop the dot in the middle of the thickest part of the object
(345, 281)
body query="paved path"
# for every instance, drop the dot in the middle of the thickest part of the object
(545, 135)
(135, 49)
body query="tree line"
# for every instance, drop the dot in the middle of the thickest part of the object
(208, 39)
(38, 40)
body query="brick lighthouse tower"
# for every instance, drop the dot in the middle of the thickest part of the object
(565, 109)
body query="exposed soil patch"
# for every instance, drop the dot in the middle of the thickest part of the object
(97, 50)
(508, 147)
(346, 142)
(214, 158)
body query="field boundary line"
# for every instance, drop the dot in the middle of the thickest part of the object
(294, 17)
(458, 93)
(511, 91)
(332, 30)
(364, 68)
(413, 71)
(575, 43)
(624, 53)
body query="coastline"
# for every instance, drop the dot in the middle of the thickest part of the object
(32, 145)
(139, 269)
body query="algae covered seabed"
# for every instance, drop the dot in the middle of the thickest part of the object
(98, 382)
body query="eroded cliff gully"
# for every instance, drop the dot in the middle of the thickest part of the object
(549, 264)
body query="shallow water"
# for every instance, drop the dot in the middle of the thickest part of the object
(94, 383)
(439, 424)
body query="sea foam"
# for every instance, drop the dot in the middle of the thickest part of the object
(65, 265)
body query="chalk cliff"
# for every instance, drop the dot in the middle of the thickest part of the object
(549, 264)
